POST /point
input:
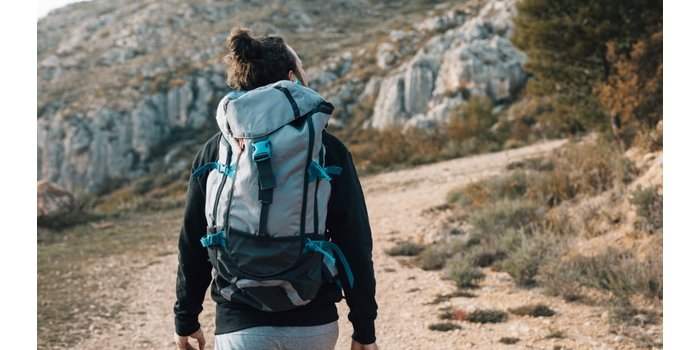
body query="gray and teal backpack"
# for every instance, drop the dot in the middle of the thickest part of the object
(267, 198)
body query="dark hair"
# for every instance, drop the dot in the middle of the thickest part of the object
(253, 62)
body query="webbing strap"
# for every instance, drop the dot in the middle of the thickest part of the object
(262, 155)
(331, 251)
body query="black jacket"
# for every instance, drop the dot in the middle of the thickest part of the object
(348, 225)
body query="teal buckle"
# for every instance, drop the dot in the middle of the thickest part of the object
(261, 150)
(227, 170)
(212, 239)
(316, 171)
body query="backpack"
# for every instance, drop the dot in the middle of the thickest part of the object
(267, 197)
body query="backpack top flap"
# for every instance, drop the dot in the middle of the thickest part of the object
(261, 111)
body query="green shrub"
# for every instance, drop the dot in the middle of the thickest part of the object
(444, 326)
(509, 340)
(617, 272)
(586, 168)
(533, 310)
(433, 257)
(524, 263)
(487, 316)
(504, 215)
(649, 207)
(622, 311)
(463, 272)
(440, 298)
(484, 256)
(405, 248)
(486, 192)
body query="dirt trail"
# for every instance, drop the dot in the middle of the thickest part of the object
(397, 203)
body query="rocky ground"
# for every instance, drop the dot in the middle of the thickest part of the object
(141, 287)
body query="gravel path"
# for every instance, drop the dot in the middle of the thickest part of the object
(397, 202)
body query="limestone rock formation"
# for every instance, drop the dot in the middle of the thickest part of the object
(476, 58)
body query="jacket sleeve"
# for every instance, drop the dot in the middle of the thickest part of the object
(194, 268)
(349, 228)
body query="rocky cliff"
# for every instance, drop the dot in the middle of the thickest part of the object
(125, 85)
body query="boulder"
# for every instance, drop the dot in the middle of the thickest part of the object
(52, 200)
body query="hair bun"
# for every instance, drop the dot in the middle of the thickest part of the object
(244, 47)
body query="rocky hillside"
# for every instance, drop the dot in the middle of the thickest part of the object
(128, 87)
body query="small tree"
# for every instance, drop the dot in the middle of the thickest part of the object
(567, 46)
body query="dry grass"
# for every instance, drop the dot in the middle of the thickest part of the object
(464, 273)
(586, 168)
(405, 248)
(620, 273)
(444, 326)
(649, 208)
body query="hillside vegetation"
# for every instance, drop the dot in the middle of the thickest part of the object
(585, 223)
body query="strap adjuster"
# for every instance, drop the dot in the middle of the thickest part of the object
(261, 150)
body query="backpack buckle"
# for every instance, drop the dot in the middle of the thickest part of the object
(261, 150)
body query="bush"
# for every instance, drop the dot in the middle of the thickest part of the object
(533, 310)
(623, 312)
(484, 256)
(504, 215)
(587, 168)
(509, 340)
(614, 271)
(487, 316)
(486, 192)
(433, 257)
(405, 248)
(472, 119)
(524, 263)
(463, 272)
(444, 326)
(649, 205)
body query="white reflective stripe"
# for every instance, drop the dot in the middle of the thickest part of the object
(292, 294)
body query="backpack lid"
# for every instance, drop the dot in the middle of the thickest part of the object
(261, 111)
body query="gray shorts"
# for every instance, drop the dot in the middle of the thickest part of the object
(321, 337)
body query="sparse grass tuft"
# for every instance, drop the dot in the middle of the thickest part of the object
(483, 193)
(618, 272)
(487, 316)
(649, 204)
(440, 298)
(523, 263)
(504, 215)
(463, 272)
(586, 168)
(484, 256)
(555, 334)
(623, 312)
(509, 340)
(533, 310)
(433, 257)
(405, 248)
(444, 326)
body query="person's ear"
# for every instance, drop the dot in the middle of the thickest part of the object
(291, 75)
